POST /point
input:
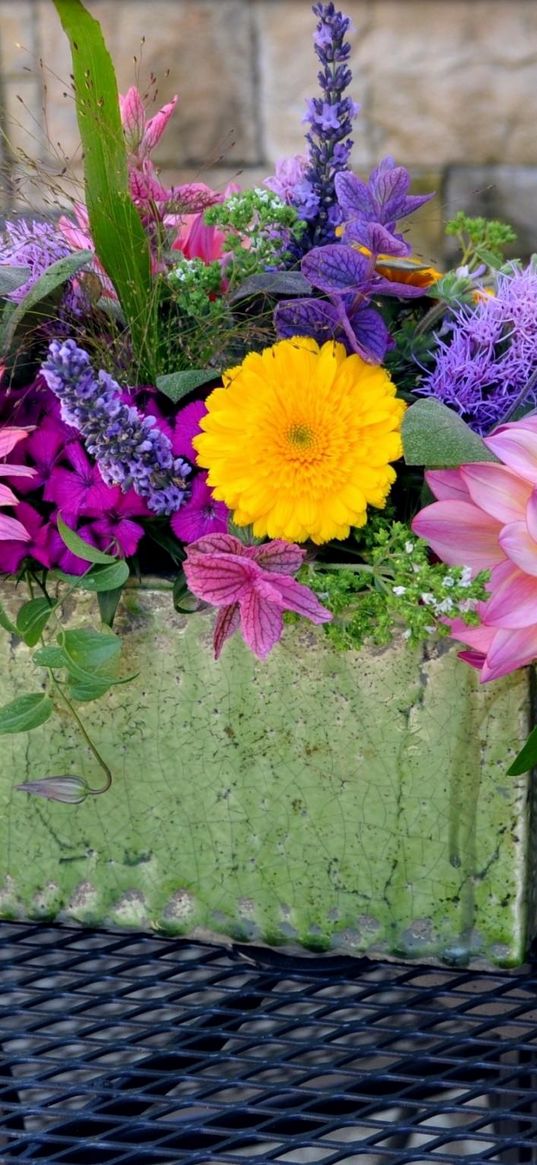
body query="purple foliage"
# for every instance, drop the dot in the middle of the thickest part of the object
(370, 210)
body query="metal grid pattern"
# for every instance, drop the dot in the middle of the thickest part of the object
(121, 1049)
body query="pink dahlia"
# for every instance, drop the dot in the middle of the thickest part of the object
(485, 518)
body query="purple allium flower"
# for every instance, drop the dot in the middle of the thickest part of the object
(129, 448)
(201, 514)
(483, 368)
(35, 245)
(370, 210)
(330, 118)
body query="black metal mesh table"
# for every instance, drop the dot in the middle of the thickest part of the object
(119, 1048)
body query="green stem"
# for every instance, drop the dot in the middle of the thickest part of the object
(93, 747)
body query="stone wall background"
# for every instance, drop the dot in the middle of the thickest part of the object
(449, 87)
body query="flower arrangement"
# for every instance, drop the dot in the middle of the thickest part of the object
(255, 395)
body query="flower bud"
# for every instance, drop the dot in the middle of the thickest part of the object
(71, 790)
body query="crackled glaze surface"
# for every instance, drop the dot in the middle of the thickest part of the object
(356, 802)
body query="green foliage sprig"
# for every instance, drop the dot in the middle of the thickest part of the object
(395, 589)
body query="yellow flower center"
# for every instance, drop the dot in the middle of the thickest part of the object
(301, 435)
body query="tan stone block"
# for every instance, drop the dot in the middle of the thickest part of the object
(288, 71)
(461, 83)
(200, 49)
(17, 36)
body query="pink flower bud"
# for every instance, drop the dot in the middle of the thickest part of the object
(71, 790)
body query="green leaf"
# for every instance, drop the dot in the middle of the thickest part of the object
(25, 713)
(82, 549)
(88, 688)
(176, 385)
(49, 657)
(99, 578)
(32, 618)
(120, 240)
(53, 278)
(11, 278)
(527, 757)
(273, 283)
(438, 438)
(108, 604)
(6, 622)
(91, 653)
(183, 600)
(491, 258)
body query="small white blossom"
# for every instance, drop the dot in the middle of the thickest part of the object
(467, 605)
(427, 598)
(416, 567)
(444, 607)
(466, 576)
(448, 581)
(431, 629)
(409, 546)
(399, 590)
(407, 633)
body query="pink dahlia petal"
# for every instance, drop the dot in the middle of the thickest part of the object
(520, 547)
(17, 471)
(219, 579)
(513, 598)
(517, 448)
(479, 638)
(447, 483)
(509, 651)
(228, 621)
(474, 658)
(13, 530)
(531, 515)
(460, 534)
(261, 622)
(132, 112)
(9, 436)
(282, 557)
(7, 497)
(497, 490)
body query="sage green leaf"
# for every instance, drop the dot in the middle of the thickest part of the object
(99, 578)
(176, 385)
(527, 757)
(82, 549)
(11, 278)
(436, 437)
(273, 283)
(35, 301)
(25, 713)
(32, 618)
(116, 228)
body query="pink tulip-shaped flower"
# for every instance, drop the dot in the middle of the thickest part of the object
(10, 528)
(252, 586)
(486, 519)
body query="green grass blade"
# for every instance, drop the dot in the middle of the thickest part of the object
(119, 237)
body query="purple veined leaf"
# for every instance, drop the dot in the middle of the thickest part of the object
(353, 196)
(376, 237)
(306, 317)
(337, 268)
(227, 622)
(398, 290)
(371, 337)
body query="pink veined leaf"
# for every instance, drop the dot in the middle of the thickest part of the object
(261, 623)
(221, 580)
(227, 622)
(298, 598)
(278, 556)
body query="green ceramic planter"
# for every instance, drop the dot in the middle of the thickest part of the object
(350, 802)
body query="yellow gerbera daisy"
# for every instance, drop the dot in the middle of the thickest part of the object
(297, 442)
